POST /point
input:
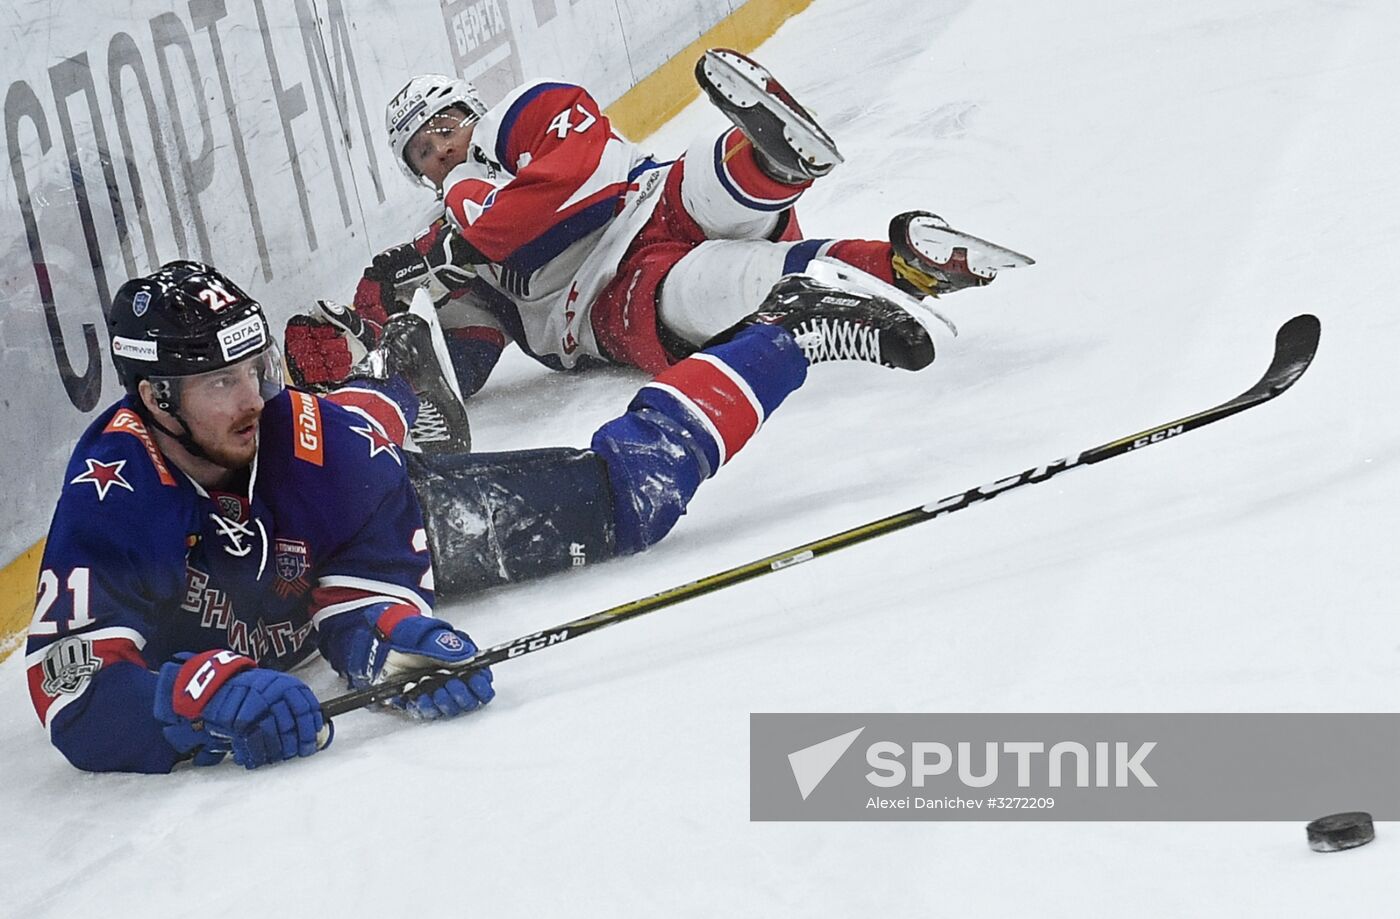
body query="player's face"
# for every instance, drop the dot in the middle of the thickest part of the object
(222, 408)
(440, 145)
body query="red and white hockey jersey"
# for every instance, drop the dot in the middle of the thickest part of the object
(553, 196)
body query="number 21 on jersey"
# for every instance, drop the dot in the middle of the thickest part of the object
(48, 595)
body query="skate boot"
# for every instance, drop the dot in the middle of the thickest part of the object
(789, 144)
(413, 345)
(931, 258)
(833, 324)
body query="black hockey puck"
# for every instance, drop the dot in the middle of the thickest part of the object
(1336, 832)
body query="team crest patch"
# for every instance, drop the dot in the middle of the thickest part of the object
(292, 562)
(450, 641)
(231, 507)
(140, 303)
(68, 665)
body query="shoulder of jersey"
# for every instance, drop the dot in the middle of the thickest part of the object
(493, 131)
(306, 432)
(116, 460)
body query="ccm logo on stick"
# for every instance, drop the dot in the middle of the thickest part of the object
(536, 642)
(1157, 437)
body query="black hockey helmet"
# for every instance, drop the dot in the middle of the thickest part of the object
(186, 319)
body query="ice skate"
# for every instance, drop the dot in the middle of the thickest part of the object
(932, 259)
(791, 146)
(837, 324)
(413, 345)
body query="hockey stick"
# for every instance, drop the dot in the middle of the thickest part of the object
(1293, 351)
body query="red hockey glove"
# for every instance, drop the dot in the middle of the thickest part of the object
(323, 345)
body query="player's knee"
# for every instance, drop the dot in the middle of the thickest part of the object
(654, 466)
(687, 423)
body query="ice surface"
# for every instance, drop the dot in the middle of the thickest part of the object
(1187, 176)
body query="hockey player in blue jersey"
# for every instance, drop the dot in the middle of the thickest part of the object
(215, 529)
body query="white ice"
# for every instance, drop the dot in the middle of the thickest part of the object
(1187, 175)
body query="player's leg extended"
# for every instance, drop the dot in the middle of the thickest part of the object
(498, 518)
(777, 149)
(718, 282)
(495, 518)
(688, 422)
(743, 184)
(723, 188)
(712, 285)
(788, 142)
(722, 233)
(732, 199)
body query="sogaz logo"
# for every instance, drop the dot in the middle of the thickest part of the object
(243, 338)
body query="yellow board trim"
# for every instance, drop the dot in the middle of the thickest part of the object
(644, 108)
(17, 581)
(659, 96)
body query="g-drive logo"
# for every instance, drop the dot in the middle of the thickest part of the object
(1036, 764)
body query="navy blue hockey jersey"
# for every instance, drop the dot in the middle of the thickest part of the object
(142, 563)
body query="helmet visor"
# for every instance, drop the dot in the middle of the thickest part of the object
(443, 126)
(260, 373)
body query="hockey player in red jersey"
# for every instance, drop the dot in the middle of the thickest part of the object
(561, 235)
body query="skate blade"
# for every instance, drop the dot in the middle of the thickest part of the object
(422, 307)
(838, 274)
(743, 83)
(937, 243)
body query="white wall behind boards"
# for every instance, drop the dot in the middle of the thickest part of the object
(245, 133)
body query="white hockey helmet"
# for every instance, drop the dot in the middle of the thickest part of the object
(421, 98)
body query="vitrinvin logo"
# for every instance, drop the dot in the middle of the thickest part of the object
(812, 764)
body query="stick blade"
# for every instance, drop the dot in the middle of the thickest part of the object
(1294, 348)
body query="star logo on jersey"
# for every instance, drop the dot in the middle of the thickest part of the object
(379, 442)
(103, 476)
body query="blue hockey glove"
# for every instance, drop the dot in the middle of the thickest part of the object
(401, 639)
(219, 702)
